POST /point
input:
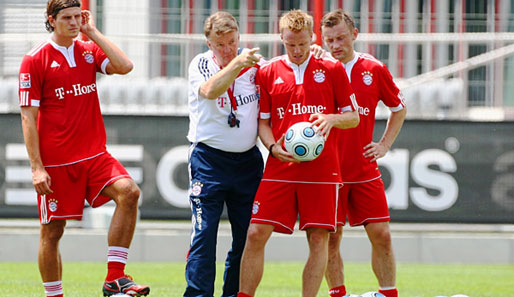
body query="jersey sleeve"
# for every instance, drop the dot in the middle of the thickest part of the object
(344, 93)
(101, 58)
(390, 94)
(30, 82)
(264, 96)
(198, 73)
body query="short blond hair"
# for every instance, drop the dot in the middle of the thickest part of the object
(220, 23)
(296, 21)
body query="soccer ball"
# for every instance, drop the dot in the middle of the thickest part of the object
(303, 142)
(372, 294)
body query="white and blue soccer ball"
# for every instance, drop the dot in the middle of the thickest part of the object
(372, 294)
(303, 142)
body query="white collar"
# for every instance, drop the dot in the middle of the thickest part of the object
(299, 70)
(67, 52)
(349, 66)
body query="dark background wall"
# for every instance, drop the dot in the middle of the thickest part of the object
(437, 171)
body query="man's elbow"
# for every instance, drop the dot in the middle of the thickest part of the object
(208, 93)
(126, 68)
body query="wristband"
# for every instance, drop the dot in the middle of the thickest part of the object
(271, 150)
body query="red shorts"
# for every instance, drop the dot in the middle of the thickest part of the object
(280, 203)
(72, 184)
(363, 203)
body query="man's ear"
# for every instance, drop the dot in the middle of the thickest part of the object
(51, 21)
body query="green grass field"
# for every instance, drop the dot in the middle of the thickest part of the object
(280, 279)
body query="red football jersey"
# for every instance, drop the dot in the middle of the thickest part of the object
(62, 83)
(289, 94)
(371, 81)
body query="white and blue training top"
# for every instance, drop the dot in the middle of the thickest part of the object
(208, 118)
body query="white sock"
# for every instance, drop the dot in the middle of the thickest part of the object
(53, 288)
(117, 254)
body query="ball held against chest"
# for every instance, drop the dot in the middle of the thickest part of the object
(302, 141)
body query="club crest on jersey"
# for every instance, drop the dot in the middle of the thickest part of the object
(367, 78)
(52, 205)
(88, 56)
(196, 188)
(24, 80)
(319, 75)
(255, 208)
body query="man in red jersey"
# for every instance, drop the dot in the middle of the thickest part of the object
(293, 88)
(65, 140)
(362, 198)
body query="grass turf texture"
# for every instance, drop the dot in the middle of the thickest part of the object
(280, 279)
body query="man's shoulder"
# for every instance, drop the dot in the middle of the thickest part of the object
(84, 44)
(326, 62)
(207, 56)
(201, 61)
(327, 59)
(272, 64)
(369, 60)
(38, 50)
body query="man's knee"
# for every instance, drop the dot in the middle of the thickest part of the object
(258, 234)
(334, 243)
(53, 231)
(380, 235)
(127, 192)
(317, 238)
(334, 239)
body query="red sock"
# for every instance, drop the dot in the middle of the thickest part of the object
(337, 291)
(389, 292)
(241, 294)
(115, 270)
(116, 260)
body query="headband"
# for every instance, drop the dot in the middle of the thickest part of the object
(76, 4)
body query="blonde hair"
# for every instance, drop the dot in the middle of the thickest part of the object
(296, 21)
(220, 23)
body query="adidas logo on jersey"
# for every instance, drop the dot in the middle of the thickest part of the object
(278, 81)
(54, 64)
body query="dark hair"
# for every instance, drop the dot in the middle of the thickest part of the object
(54, 6)
(335, 17)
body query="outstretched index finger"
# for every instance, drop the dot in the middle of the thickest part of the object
(254, 50)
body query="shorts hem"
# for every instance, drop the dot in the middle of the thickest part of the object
(279, 227)
(318, 225)
(108, 183)
(61, 218)
(371, 220)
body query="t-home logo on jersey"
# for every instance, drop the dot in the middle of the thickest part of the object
(77, 90)
(18, 178)
(299, 109)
